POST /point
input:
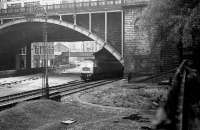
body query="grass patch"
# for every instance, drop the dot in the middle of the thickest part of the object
(140, 98)
(47, 115)
(30, 115)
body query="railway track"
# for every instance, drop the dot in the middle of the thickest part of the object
(83, 87)
(59, 90)
(33, 92)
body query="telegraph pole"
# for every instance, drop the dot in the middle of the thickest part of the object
(46, 57)
(45, 84)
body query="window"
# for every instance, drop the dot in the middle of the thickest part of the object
(118, 2)
(109, 2)
(57, 6)
(78, 4)
(86, 4)
(101, 2)
(23, 51)
(29, 4)
(93, 3)
(41, 47)
(50, 7)
(36, 50)
(17, 5)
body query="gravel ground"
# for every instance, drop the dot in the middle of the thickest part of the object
(18, 78)
(33, 84)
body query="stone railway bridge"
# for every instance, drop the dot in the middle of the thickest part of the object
(113, 24)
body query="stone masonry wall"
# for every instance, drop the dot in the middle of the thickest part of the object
(140, 55)
(136, 44)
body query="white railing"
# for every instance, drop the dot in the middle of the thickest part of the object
(73, 6)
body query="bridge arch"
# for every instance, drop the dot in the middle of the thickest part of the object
(77, 28)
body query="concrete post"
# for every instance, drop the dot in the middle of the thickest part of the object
(90, 22)
(74, 16)
(1, 21)
(122, 33)
(106, 26)
(60, 17)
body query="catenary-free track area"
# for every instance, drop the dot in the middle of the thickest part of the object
(13, 85)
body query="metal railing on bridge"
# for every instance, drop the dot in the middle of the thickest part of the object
(75, 7)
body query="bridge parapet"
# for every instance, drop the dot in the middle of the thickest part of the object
(71, 8)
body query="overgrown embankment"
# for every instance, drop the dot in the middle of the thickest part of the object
(134, 96)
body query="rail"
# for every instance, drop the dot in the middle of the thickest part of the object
(73, 7)
(60, 90)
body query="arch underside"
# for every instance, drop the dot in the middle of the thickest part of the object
(74, 33)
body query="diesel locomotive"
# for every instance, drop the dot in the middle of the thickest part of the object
(103, 66)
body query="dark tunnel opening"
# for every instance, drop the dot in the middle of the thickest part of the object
(15, 37)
